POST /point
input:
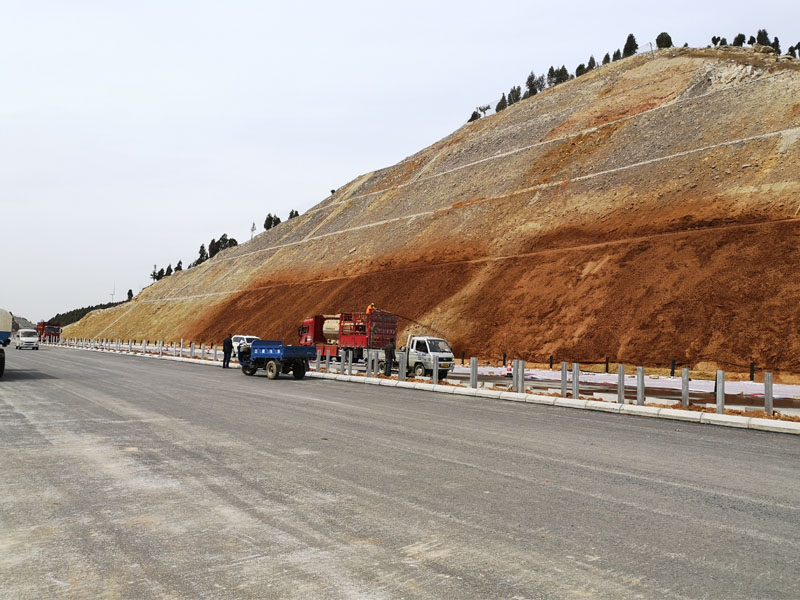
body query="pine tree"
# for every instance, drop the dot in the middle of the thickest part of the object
(514, 95)
(777, 45)
(715, 40)
(591, 64)
(168, 272)
(562, 75)
(551, 77)
(606, 59)
(617, 55)
(723, 42)
(130, 295)
(580, 70)
(213, 248)
(179, 266)
(663, 40)
(630, 46)
(268, 222)
(202, 255)
(293, 213)
(762, 37)
(751, 41)
(739, 40)
(232, 243)
(502, 105)
(474, 117)
(160, 275)
(223, 242)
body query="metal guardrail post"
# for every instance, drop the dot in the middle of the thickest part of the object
(640, 386)
(473, 372)
(685, 387)
(215, 353)
(576, 377)
(768, 393)
(319, 360)
(350, 363)
(328, 360)
(514, 375)
(564, 379)
(720, 392)
(130, 346)
(435, 370)
(620, 384)
(180, 352)
(521, 384)
(402, 366)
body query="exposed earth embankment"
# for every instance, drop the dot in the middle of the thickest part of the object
(646, 211)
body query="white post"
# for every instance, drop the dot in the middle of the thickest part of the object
(564, 379)
(576, 376)
(720, 392)
(620, 384)
(640, 386)
(473, 372)
(768, 393)
(685, 387)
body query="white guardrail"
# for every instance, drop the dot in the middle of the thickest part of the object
(568, 395)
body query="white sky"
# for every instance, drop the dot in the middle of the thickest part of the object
(132, 132)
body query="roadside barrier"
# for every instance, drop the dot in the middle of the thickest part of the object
(342, 370)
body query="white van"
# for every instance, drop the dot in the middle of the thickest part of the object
(27, 338)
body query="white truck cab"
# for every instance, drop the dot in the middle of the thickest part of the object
(422, 352)
(27, 338)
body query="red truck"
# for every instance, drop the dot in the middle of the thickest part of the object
(356, 331)
(49, 331)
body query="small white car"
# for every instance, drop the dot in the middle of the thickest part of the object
(27, 338)
(242, 339)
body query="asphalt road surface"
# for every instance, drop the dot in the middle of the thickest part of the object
(125, 477)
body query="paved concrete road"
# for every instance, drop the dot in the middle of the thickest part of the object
(125, 477)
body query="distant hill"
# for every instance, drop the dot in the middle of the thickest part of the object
(77, 314)
(21, 323)
(646, 211)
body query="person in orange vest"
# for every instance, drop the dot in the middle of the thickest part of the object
(371, 308)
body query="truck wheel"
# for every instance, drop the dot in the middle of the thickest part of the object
(381, 367)
(443, 374)
(299, 370)
(272, 369)
(419, 370)
(249, 370)
(2, 361)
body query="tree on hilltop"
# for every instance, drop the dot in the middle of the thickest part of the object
(202, 255)
(663, 40)
(591, 64)
(130, 295)
(762, 37)
(293, 213)
(484, 108)
(751, 41)
(551, 76)
(562, 75)
(514, 95)
(617, 55)
(777, 45)
(630, 46)
(715, 40)
(271, 221)
(179, 266)
(160, 275)
(534, 84)
(723, 42)
(738, 41)
(474, 117)
(502, 105)
(580, 70)
(213, 248)
(606, 59)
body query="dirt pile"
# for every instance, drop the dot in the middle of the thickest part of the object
(646, 211)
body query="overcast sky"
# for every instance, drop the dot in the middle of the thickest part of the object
(132, 132)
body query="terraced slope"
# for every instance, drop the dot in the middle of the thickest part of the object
(646, 211)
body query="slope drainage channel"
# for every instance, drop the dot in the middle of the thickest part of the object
(771, 425)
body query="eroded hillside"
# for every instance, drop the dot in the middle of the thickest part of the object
(646, 211)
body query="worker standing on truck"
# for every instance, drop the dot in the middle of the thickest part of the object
(371, 308)
(388, 358)
(227, 350)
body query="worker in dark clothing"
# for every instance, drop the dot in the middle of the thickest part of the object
(388, 351)
(227, 350)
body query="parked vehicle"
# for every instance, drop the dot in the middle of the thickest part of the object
(242, 339)
(422, 352)
(27, 338)
(356, 331)
(5, 337)
(48, 331)
(275, 358)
